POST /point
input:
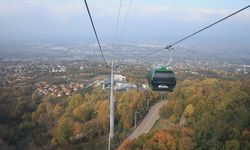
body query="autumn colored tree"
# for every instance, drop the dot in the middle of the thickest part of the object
(64, 131)
(84, 112)
(40, 109)
(103, 113)
(75, 100)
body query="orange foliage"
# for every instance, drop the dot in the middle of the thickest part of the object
(166, 139)
(125, 145)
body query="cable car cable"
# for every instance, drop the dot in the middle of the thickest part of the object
(96, 36)
(163, 78)
(170, 58)
(187, 37)
(117, 26)
(119, 37)
(117, 22)
(125, 21)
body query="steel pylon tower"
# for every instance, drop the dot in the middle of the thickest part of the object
(112, 101)
(111, 133)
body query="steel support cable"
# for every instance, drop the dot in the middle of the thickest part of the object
(117, 22)
(170, 58)
(96, 36)
(125, 21)
(118, 38)
(189, 36)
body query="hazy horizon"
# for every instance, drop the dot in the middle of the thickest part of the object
(149, 21)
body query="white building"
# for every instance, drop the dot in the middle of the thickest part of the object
(124, 86)
(145, 86)
(119, 78)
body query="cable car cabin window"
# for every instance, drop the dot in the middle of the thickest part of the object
(164, 76)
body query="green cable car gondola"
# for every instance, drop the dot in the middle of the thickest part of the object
(161, 79)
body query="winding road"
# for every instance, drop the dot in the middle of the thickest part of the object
(148, 122)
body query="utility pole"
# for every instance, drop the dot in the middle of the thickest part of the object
(112, 101)
(162, 96)
(136, 112)
(112, 109)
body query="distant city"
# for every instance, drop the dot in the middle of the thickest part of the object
(45, 60)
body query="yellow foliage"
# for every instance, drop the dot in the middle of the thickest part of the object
(172, 118)
(79, 110)
(58, 111)
(103, 113)
(189, 110)
(78, 127)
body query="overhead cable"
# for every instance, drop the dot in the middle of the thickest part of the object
(125, 21)
(117, 21)
(96, 35)
(189, 36)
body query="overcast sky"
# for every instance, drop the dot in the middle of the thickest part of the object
(149, 20)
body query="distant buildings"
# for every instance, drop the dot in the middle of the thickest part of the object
(119, 78)
(145, 86)
(58, 68)
(120, 83)
(81, 68)
(59, 90)
(125, 86)
(106, 84)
